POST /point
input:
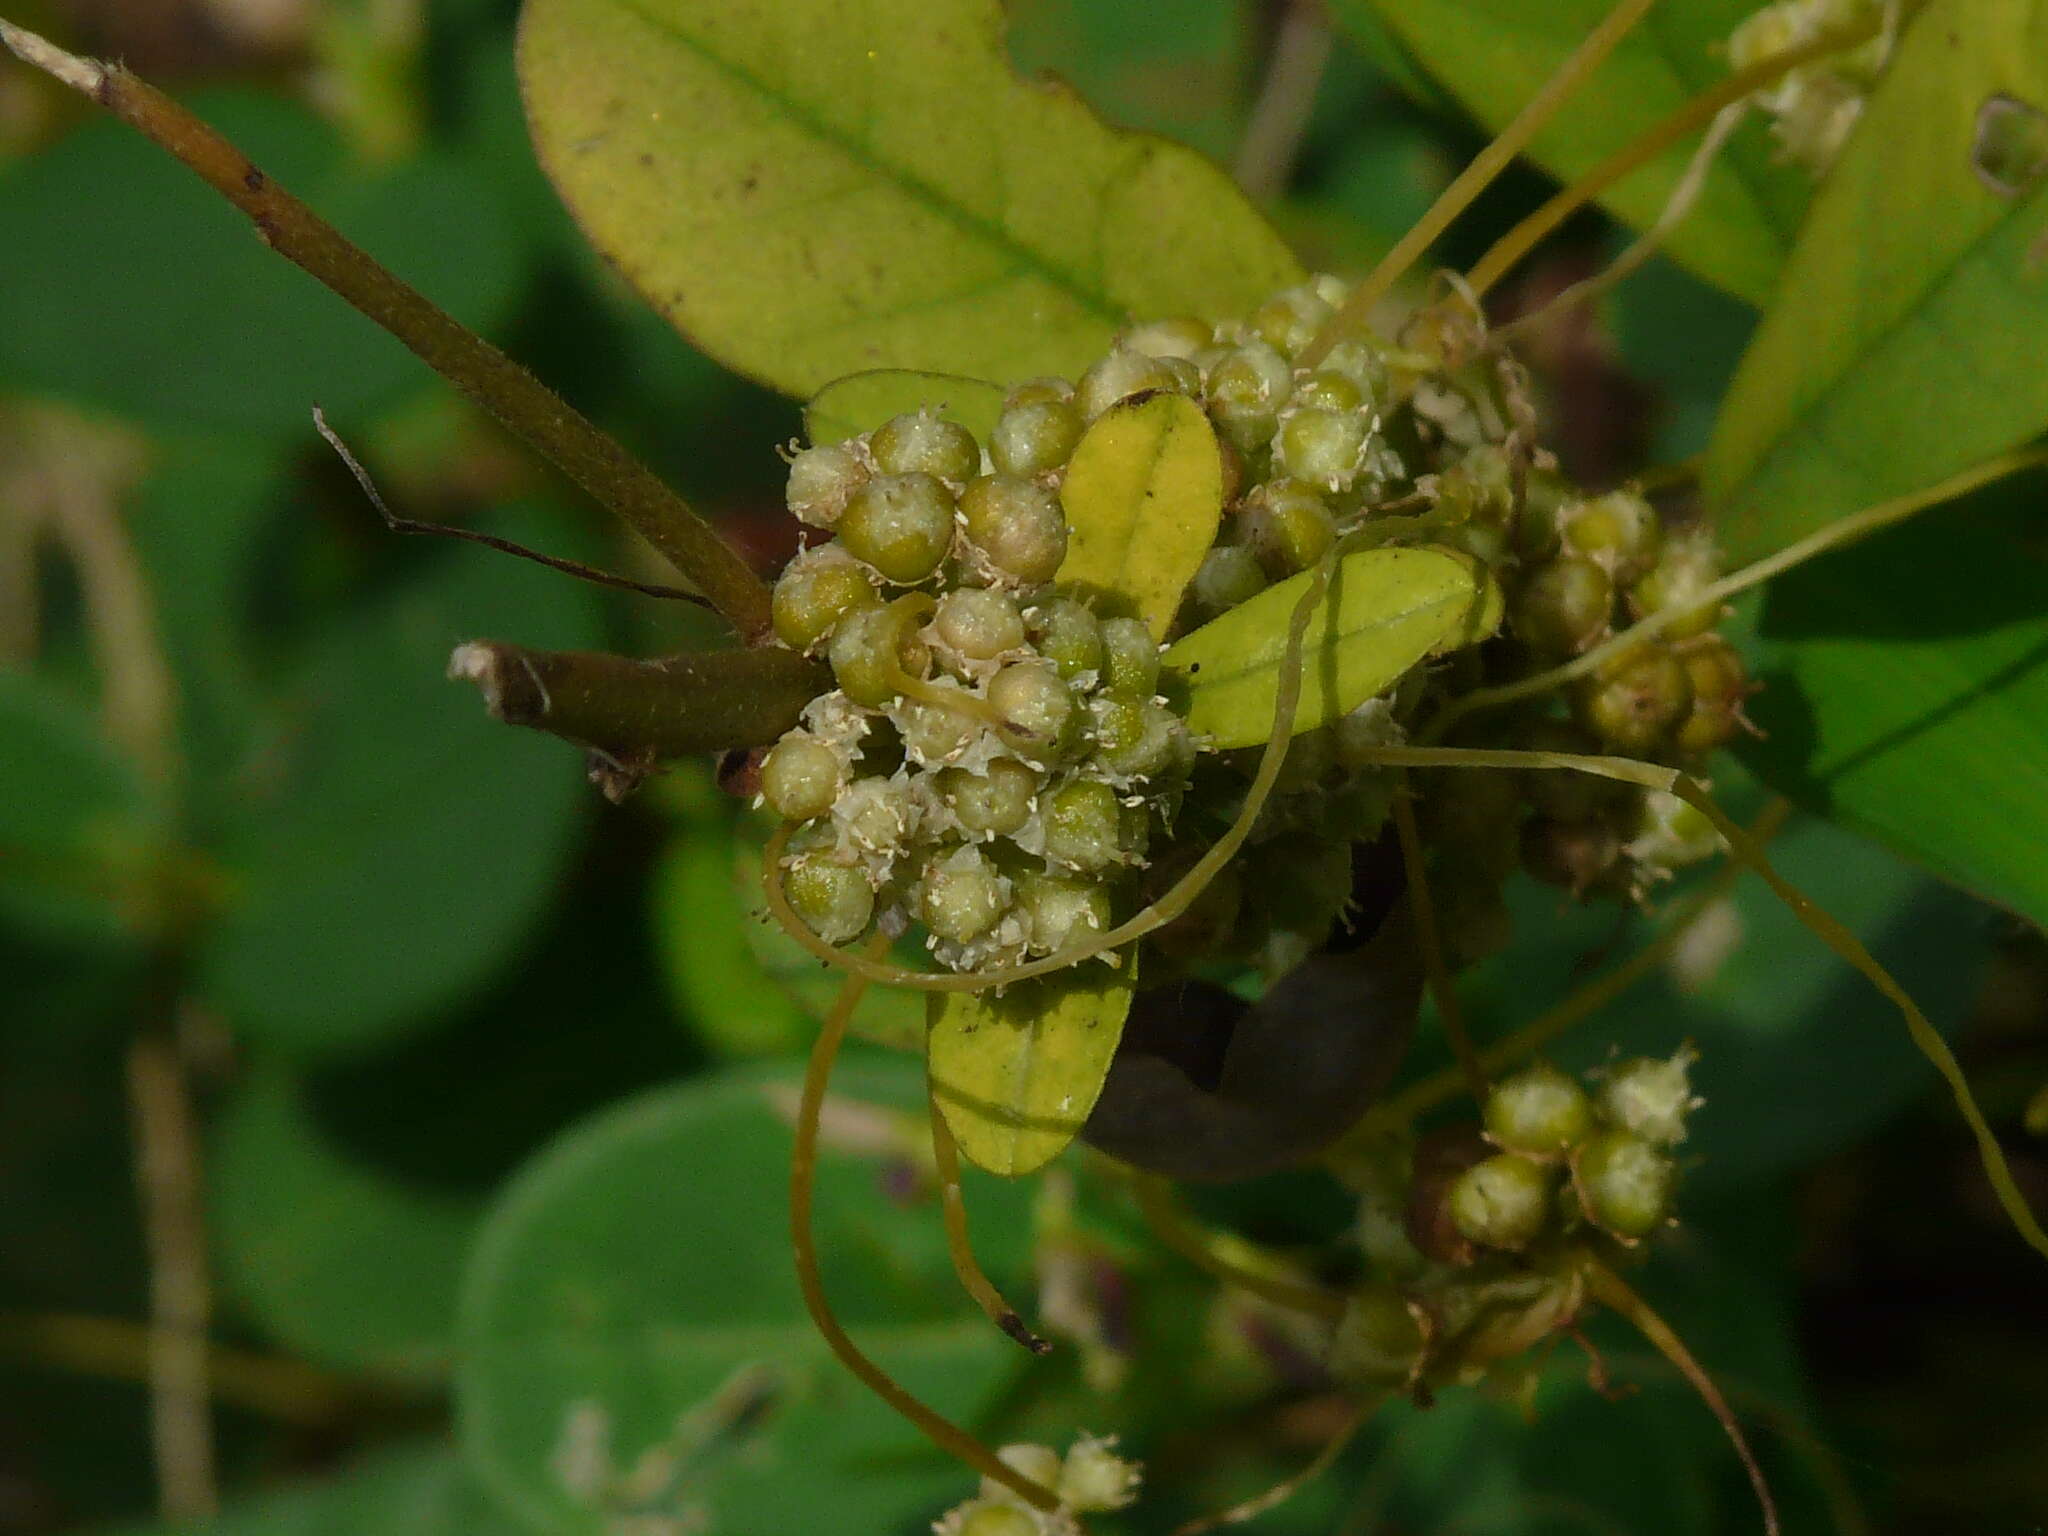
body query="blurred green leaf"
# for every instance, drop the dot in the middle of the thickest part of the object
(153, 297)
(1904, 342)
(1386, 609)
(419, 1491)
(1017, 1072)
(632, 1302)
(339, 1262)
(1494, 55)
(1908, 694)
(400, 841)
(1143, 494)
(881, 190)
(860, 402)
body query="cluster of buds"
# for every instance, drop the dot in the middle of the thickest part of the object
(1813, 108)
(1091, 1477)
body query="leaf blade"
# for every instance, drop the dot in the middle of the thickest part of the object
(1143, 496)
(1386, 610)
(860, 402)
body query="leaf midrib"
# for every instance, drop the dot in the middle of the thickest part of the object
(1027, 258)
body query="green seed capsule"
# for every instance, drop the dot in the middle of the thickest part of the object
(1062, 910)
(1651, 1098)
(1083, 826)
(1635, 705)
(1503, 1202)
(1719, 683)
(1247, 387)
(1626, 1184)
(1686, 568)
(1546, 499)
(901, 525)
(978, 622)
(816, 590)
(1135, 738)
(1068, 635)
(871, 647)
(1036, 706)
(832, 898)
(1620, 530)
(1324, 447)
(962, 895)
(1378, 1341)
(822, 480)
(1130, 659)
(1289, 321)
(1120, 375)
(1328, 390)
(998, 800)
(1034, 391)
(924, 442)
(1563, 608)
(1539, 1111)
(1017, 528)
(800, 777)
(1034, 437)
(1229, 574)
(1288, 526)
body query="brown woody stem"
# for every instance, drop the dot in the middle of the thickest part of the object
(640, 711)
(525, 406)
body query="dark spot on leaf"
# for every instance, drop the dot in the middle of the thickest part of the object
(2009, 149)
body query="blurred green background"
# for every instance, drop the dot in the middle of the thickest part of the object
(458, 1037)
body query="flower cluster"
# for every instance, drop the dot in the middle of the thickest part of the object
(1812, 108)
(1089, 1478)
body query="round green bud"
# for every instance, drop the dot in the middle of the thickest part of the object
(800, 777)
(1083, 826)
(1539, 1111)
(993, 1517)
(1288, 321)
(924, 442)
(1068, 635)
(1686, 568)
(1378, 1342)
(1017, 528)
(1328, 390)
(1503, 1202)
(1625, 1184)
(1573, 855)
(816, 590)
(1135, 738)
(1228, 575)
(1130, 659)
(1649, 1097)
(1719, 683)
(1479, 488)
(871, 647)
(978, 622)
(962, 895)
(832, 898)
(1288, 526)
(902, 525)
(1562, 608)
(1181, 336)
(1546, 499)
(1620, 530)
(1033, 391)
(1036, 706)
(1062, 910)
(1247, 387)
(937, 730)
(822, 480)
(1634, 705)
(1035, 437)
(1324, 447)
(1118, 376)
(998, 800)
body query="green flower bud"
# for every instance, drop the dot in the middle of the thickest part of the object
(1539, 1111)
(1719, 683)
(1687, 567)
(902, 525)
(1620, 531)
(1625, 1184)
(934, 730)
(1130, 659)
(1035, 437)
(816, 590)
(876, 816)
(1228, 575)
(1378, 1342)
(1247, 387)
(1120, 375)
(1634, 704)
(1035, 391)
(1479, 489)
(1062, 910)
(1288, 526)
(1322, 446)
(1017, 528)
(979, 623)
(1036, 706)
(962, 895)
(1083, 826)
(1093, 1477)
(1652, 1098)
(1328, 390)
(822, 480)
(832, 898)
(1547, 497)
(1503, 1202)
(1288, 321)
(924, 442)
(1135, 738)
(998, 800)
(1562, 608)
(800, 777)
(871, 647)
(1068, 635)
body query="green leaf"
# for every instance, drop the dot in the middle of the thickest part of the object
(1386, 609)
(860, 402)
(1904, 343)
(1016, 1073)
(809, 190)
(636, 1284)
(212, 328)
(1143, 494)
(399, 842)
(1493, 55)
(339, 1261)
(1907, 683)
